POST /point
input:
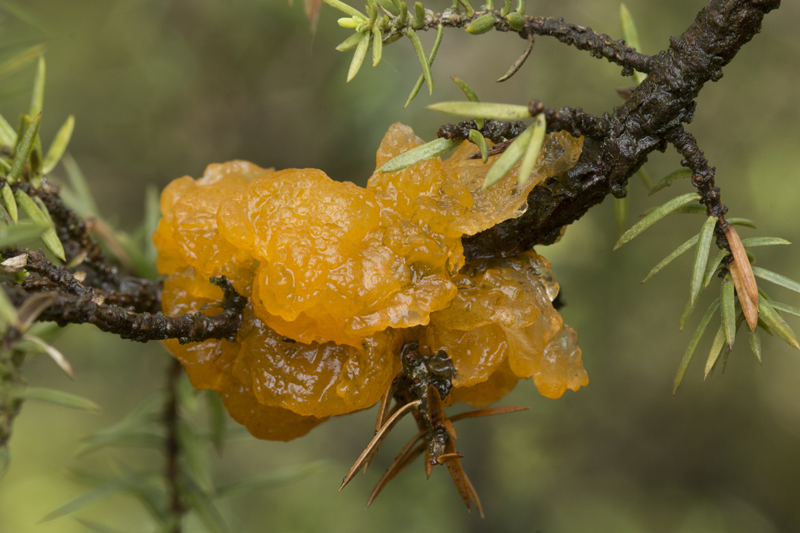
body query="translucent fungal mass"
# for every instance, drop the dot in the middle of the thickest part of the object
(340, 277)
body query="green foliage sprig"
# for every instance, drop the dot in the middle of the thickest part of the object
(732, 314)
(389, 20)
(526, 147)
(201, 426)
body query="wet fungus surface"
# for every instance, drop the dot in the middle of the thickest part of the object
(340, 278)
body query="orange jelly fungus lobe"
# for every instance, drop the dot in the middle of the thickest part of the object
(339, 277)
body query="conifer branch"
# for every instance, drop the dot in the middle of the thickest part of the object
(649, 118)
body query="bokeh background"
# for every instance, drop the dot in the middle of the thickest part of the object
(161, 88)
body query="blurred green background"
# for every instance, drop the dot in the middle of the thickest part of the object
(161, 88)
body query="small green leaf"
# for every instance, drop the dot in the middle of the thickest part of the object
(62, 399)
(516, 65)
(37, 98)
(57, 357)
(372, 11)
(533, 149)
(506, 8)
(266, 481)
(776, 323)
(420, 153)
(216, 419)
(656, 215)
(10, 203)
(698, 334)
(358, 56)
(43, 208)
(483, 110)
(344, 8)
(377, 46)
(200, 503)
(49, 236)
(621, 213)
(481, 25)
(741, 222)
(402, 19)
(423, 62)
(478, 140)
(713, 265)
(777, 279)
(11, 236)
(701, 257)
(692, 210)
(419, 16)
(631, 36)
(471, 96)
(59, 146)
(431, 57)
(728, 310)
(667, 181)
(7, 134)
(24, 150)
(350, 22)
(629, 31)
(22, 126)
(716, 350)
(515, 20)
(755, 342)
(521, 7)
(763, 241)
(508, 159)
(785, 308)
(672, 257)
(350, 43)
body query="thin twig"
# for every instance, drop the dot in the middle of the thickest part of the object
(519, 62)
(171, 445)
(140, 327)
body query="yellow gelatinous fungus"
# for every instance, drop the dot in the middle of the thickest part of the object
(340, 277)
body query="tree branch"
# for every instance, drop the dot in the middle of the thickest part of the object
(598, 45)
(653, 114)
(141, 295)
(87, 306)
